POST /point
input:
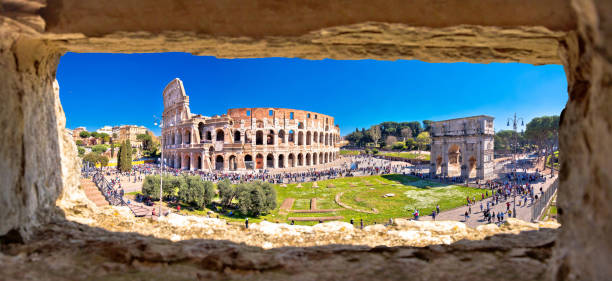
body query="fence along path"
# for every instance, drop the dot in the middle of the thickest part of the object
(542, 202)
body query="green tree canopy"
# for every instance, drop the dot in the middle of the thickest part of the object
(423, 140)
(84, 134)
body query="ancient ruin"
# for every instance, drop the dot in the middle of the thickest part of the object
(462, 147)
(244, 138)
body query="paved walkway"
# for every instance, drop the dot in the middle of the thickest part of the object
(476, 218)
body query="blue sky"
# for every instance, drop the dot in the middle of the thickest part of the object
(115, 89)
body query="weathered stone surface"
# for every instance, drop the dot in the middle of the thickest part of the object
(70, 251)
(585, 244)
(468, 30)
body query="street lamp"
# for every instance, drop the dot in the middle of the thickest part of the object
(161, 165)
(514, 127)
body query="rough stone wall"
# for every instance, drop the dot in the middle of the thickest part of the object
(585, 243)
(30, 154)
(500, 30)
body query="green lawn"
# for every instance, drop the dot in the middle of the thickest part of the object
(408, 155)
(367, 193)
(350, 152)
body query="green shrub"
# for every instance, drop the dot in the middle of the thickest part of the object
(255, 198)
(81, 151)
(196, 192)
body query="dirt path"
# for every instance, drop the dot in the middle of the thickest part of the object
(286, 205)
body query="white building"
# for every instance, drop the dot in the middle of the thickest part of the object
(106, 129)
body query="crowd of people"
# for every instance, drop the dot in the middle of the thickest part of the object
(359, 165)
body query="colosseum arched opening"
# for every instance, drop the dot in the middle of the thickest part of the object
(575, 33)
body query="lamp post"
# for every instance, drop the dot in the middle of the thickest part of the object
(514, 127)
(161, 166)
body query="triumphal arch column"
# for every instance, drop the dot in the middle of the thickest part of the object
(463, 147)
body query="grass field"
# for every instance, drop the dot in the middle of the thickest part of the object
(365, 193)
(408, 155)
(350, 152)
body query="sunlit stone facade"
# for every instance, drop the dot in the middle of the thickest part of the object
(244, 138)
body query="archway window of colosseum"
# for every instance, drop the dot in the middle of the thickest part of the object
(200, 162)
(291, 160)
(308, 159)
(260, 124)
(301, 125)
(281, 136)
(237, 136)
(281, 161)
(270, 161)
(259, 138)
(270, 138)
(232, 163)
(201, 131)
(259, 161)
(219, 162)
(300, 138)
(308, 137)
(220, 135)
(187, 136)
(209, 135)
(248, 162)
(291, 137)
(300, 159)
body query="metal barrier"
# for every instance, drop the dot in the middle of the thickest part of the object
(112, 195)
(542, 202)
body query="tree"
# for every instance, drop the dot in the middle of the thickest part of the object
(406, 133)
(95, 158)
(81, 151)
(423, 140)
(95, 134)
(99, 148)
(146, 141)
(84, 134)
(79, 142)
(112, 145)
(196, 192)
(255, 198)
(375, 134)
(124, 159)
(390, 140)
(226, 192)
(410, 144)
(427, 126)
(398, 145)
(150, 186)
(544, 131)
(104, 137)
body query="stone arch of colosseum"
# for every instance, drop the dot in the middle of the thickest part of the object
(575, 33)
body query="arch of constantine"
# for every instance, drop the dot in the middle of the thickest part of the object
(463, 147)
(244, 138)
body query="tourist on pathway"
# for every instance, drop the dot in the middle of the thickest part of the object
(467, 216)
(437, 209)
(433, 214)
(246, 223)
(481, 207)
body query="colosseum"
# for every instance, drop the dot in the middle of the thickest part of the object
(244, 138)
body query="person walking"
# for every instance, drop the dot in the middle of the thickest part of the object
(481, 207)
(433, 215)
(246, 223)
(467, 216)
(437, 209)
